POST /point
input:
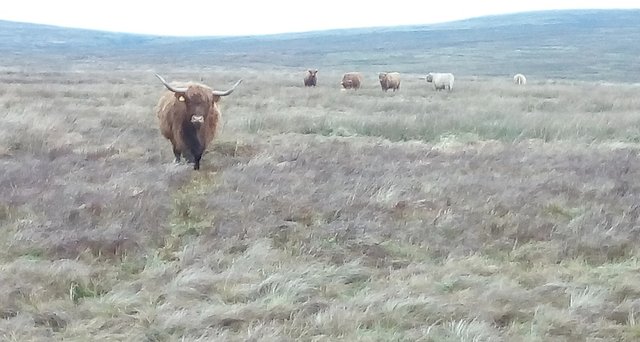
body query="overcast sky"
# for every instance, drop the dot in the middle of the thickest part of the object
(242, 17)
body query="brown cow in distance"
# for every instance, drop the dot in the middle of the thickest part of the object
(389, 80)
(189, 117)
(351, 80)
(311, 78)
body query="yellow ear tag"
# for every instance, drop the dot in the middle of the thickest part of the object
(181, 98)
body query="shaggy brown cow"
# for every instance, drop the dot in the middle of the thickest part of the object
(389, 80)
(310, 78)
(189, 117)
(351, 80)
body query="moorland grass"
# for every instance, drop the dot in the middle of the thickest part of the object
(490, 213)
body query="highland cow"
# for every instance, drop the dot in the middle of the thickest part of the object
(441, 80)
(389, 80)
(351, 80)
(189, 117)
(310, 79)
(519, 79)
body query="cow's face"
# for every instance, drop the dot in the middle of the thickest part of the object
(198, 102)
(197, 99)
(429, 77)
(382, 76)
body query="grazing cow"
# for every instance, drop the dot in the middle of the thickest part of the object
(519, 79)
(189, 117)
(389, 80)
(441, 80)
(351, 80)
(310, 79)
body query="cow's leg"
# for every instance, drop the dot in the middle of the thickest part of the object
(196, 154)
(196, 165)
(176, 153)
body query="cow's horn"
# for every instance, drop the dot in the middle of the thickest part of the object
(173, 89)
(226, 92)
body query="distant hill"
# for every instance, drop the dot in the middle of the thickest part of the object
(573, 44)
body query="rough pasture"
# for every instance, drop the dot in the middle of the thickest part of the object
(489, 213)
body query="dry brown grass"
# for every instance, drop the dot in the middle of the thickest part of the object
(491, 213)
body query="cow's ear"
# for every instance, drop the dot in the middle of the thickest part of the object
(179, 96)
(216, 98)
